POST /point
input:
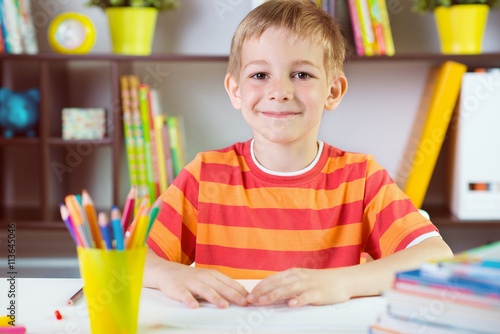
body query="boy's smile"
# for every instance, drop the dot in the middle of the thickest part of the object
(283, 88)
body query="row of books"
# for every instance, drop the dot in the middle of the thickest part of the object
(370, 26)
(17, 31)
(154, 141)
(458, 295)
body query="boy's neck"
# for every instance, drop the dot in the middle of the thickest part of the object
(290, 157)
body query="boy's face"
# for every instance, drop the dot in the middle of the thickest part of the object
(283, 87)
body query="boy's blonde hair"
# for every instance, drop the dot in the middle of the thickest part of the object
(303, 19)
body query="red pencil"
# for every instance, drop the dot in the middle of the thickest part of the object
(128, 210)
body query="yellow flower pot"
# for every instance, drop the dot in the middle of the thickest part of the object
(461, 28)
(132, 29)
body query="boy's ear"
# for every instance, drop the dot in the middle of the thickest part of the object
(338, 88)
(233, 90)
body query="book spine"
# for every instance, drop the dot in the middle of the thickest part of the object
(356, 28)
(444, 98)
(154, 153)
(173, 136)
(139, 137)
(128, 128)
(378, 30)
(27, 28)
(11, 24)
(159, 120)
(386, 25)
(168, 152)
(146, 130)
(366, 27)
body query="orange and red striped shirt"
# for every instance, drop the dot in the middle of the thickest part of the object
(224, 212)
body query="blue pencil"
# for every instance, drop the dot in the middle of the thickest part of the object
(105, 230)
(117, 228)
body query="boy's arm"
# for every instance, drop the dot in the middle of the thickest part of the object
(184, 283)
(330, 286)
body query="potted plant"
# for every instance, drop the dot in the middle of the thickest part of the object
(132, 22)
(460, 23)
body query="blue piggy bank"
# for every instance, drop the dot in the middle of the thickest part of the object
(19, 111)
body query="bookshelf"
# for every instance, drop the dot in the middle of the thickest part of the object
(49, 72)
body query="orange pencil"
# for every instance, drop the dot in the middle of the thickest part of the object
(89, 207)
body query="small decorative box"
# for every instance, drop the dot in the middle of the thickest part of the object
(83, 123)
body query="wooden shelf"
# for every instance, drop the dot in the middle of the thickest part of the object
(442, 217)
(485, 59)
(19, 141)
(64, 142)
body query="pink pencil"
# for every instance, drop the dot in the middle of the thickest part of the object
(128, 210)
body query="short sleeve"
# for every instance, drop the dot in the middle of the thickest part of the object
(173, 234)
(391, 221)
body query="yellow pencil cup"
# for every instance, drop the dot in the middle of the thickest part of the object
(132, 29)
(113, 281)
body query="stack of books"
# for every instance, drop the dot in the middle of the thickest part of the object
(17, 31)
(458, 295)
(153, 140)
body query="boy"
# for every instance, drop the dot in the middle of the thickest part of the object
(285, 207)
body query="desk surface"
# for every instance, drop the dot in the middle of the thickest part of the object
(37, 299)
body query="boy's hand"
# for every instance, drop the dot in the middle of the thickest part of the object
(184, 283)
(302, 287)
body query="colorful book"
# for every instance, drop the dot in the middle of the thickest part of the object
(356, 28)
(128, 127)
(366, 27)
(27, 28)
(146, 130)
(429, 130)
(3, 32)
(386, 25)
(159, 121)
(139, 137)
(168, 152)
(11, 13)
(378, 30)
(154, 153)
(175, 147)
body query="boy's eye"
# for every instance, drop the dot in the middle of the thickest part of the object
(302, 75)
(259, 76)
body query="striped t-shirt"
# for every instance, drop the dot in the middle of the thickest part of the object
(224, 212)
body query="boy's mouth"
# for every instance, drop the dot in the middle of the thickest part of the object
(283, 114)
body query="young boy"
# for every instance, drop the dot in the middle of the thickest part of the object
(284, 207)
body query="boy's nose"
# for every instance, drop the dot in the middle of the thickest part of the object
(280, 90)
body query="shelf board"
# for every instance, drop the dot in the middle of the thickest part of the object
(485, 59)
(19, 141)
(442, 217)
(64, 142)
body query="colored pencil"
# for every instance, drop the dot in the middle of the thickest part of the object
(89, 207)
(130, 236)
(128, 210)
(76, 218)
(86, 227)
(105, 230)
(117, 228)
(152, 217)
(141, 228)
(76, 297)
(69, 224)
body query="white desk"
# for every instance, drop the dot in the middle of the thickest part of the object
(37, 299)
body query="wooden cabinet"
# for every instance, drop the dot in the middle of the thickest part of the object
(35, 174)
